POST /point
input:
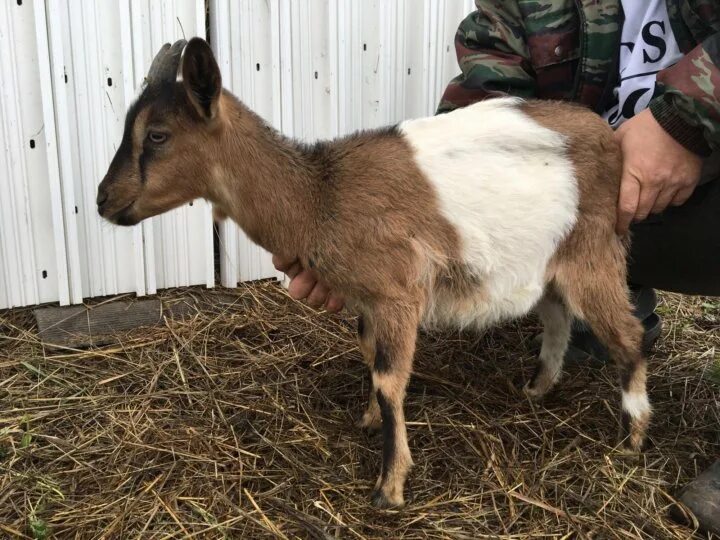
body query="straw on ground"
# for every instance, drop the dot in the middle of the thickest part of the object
(238, 423)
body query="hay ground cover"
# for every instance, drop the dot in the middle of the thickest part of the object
(238, 422)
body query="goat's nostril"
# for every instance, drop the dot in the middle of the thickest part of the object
(102, 196)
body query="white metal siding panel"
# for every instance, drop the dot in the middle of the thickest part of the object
(454, 12)
(59, 101)
(415, 101)
(53, 167)
(371, 86)
(32, 266)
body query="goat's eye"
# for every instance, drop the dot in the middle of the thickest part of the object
(156, 137)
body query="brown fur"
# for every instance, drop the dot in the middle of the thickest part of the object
(359, 211)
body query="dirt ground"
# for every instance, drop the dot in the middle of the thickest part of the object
(238, 422)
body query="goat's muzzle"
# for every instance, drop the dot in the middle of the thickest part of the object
(109, 211)
(102, 198)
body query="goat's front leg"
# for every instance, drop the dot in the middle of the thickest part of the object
(371, 420)
(395, 335)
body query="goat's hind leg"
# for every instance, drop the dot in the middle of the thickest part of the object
(371, 419)
(602, 300)
(556, 334)
(621, 332)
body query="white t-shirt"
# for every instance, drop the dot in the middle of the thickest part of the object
(647, 46)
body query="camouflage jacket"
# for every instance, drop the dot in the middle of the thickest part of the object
(569, 49)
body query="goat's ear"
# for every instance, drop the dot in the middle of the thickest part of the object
(201, 77)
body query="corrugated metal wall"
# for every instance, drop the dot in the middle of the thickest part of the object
(32, 233)
(69, 69)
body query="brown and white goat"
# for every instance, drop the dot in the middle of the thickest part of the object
(463, 219)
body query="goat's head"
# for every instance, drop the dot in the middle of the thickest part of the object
(162, 161)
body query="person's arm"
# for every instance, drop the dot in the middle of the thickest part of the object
(664, 145)
(689, 106)
(493, 56)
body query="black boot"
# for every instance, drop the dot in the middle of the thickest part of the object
(585, 347)
(702, 498)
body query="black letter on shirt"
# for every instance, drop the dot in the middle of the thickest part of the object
(628, 108)
(654, 41)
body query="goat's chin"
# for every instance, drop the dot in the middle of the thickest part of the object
(127, 217)
(126, 220)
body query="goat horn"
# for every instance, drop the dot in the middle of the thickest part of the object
(165, 64)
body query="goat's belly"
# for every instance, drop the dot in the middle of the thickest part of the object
(482, 306)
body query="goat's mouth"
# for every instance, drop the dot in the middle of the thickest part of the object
(124, 217)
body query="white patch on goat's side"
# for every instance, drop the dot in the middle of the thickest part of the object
(508, 187)
(636, 404)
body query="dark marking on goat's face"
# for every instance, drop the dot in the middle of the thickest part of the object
(382, 362)
(388, 433)
(165, 157)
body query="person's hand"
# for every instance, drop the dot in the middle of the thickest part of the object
(304, 284)
(657, 170)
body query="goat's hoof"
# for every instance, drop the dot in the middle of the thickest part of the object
(632, 435)
(380, 500)
(534, 392)
(632, 446)
(369, 422)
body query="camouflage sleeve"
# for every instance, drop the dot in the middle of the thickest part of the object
(689, 106)
(492, 54)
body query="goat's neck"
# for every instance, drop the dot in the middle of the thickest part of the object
(265, 183)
